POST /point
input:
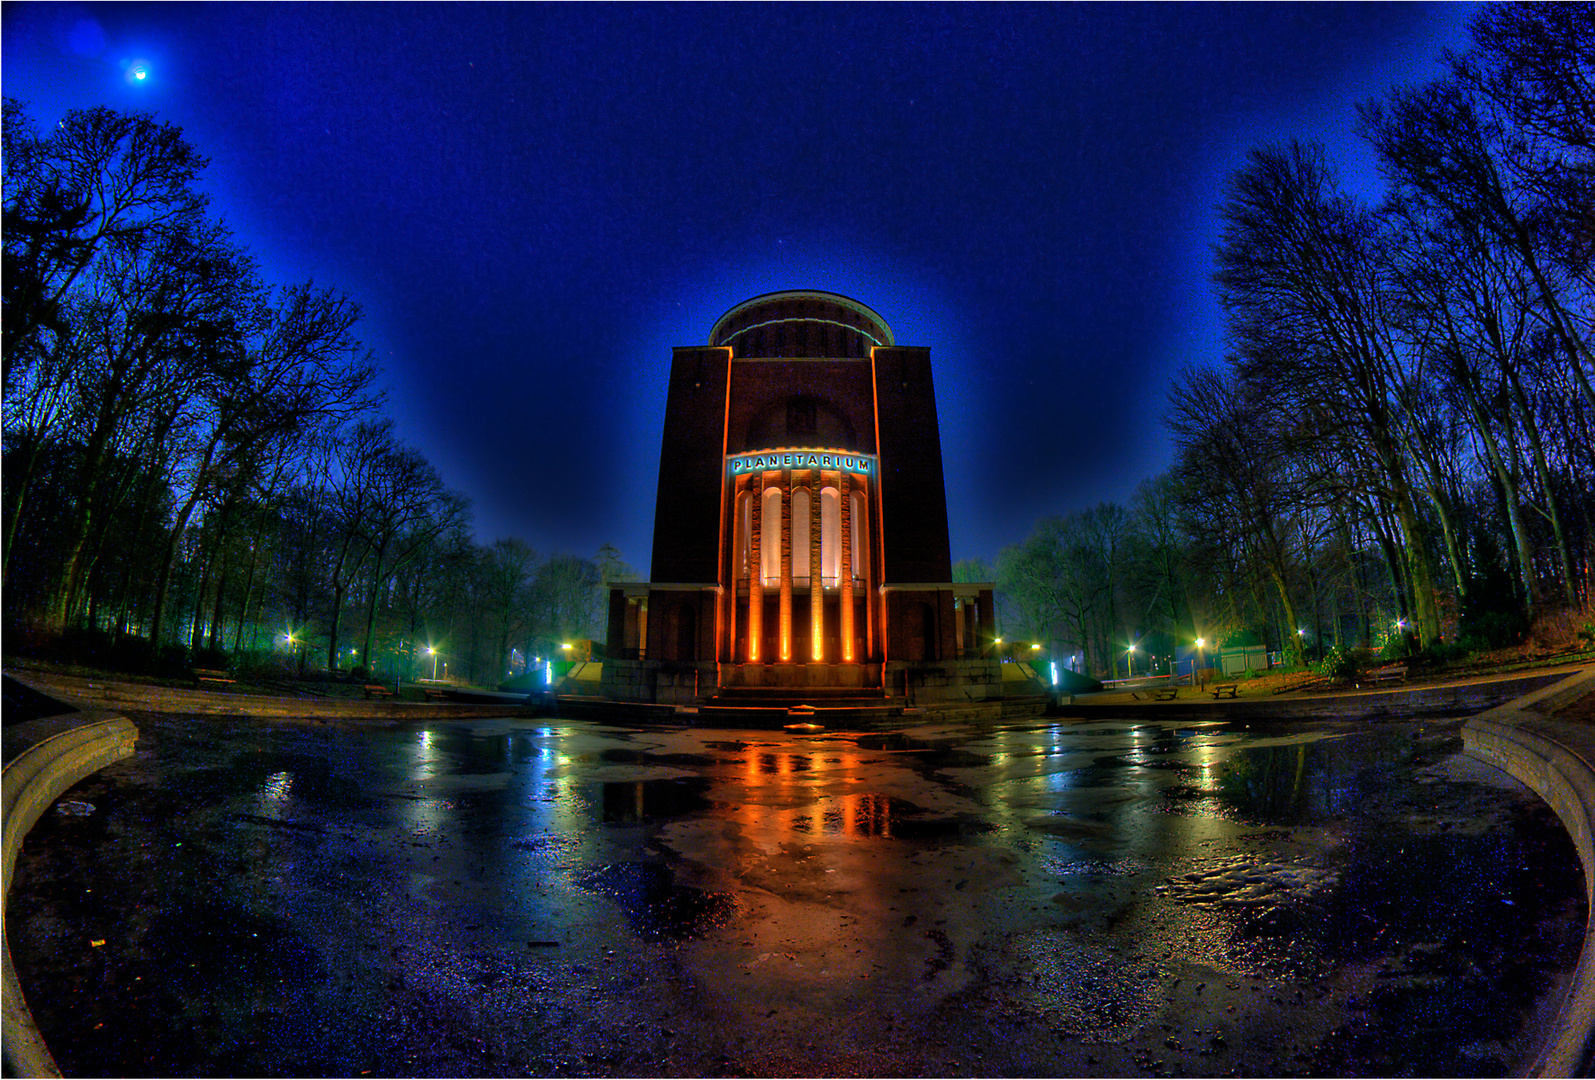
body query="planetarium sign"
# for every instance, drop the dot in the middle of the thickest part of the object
(861, 464)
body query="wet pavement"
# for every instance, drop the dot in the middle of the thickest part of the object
(1074, 897)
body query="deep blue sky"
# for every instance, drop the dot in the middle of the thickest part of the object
(534, 203)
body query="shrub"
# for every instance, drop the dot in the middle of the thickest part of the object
(1342, 665)
(172, 660)
(1444, 653)
(1487, 630)
(84, 645)
(1397, 646)
(1559, 629)
(213, 659)
(132, 653)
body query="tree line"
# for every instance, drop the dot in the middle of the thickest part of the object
(196, 462)
(1398, 449)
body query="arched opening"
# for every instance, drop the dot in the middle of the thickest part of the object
(744, 539)
(830, 535)
(770, 537)
(858, 526)
(800, 537)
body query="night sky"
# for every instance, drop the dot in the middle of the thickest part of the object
(534, 203)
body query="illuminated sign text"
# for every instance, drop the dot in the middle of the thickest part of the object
(801, 459)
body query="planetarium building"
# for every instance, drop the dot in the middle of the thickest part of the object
(800, 544)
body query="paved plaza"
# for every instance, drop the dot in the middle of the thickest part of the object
(510, 896)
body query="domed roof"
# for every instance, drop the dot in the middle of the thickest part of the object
(801, 323)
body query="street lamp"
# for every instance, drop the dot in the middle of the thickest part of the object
(1200, 663)
(433, 653)
(1129, 661)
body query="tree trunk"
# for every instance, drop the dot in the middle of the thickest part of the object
(249, 586)
(68, 585)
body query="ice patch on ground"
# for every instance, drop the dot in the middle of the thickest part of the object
(1244, 882)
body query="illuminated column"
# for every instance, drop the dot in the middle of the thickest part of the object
(755, 568)
(845, 577)
(816, 571)
(786, 566)
(726, 642)
(872, 602)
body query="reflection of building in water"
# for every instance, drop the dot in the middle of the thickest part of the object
(800, 531)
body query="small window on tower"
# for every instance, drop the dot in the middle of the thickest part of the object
(800, 416)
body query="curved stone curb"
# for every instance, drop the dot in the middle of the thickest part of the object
(113, 694)
(31, 783)
(1564, 776)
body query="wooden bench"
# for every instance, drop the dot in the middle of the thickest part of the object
(1226, 689)
(205, 675)
(375, 691)
(1395, 673)
(1165, 693)
(432, 693)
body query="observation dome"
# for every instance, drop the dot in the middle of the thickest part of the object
(801, 323)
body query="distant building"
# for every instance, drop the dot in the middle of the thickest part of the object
(800, 529)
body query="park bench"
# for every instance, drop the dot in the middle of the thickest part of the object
(374, 691)
(1394, 673)
(205, 675)
(1165, 693)
(1226, 689)
(432, 693)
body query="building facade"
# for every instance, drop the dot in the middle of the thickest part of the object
(800, 529)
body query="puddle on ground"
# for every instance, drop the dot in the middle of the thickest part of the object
(637, 802)
(655, 907)
(649, 757)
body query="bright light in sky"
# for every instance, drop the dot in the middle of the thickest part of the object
(135, 71)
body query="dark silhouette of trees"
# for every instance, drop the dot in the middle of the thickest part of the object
(195, 460)
(1403, 425)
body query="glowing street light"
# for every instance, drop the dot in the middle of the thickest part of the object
(1129, 660)
(433, 653)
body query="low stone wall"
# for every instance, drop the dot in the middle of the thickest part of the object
(667, 682)
(623, 680)
(116, 695)
(1560, 772)
(800, 676)
(949, 680)
(32, 782)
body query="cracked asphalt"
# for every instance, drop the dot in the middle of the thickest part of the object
(1057, 897)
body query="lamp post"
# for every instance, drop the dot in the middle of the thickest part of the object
(434, 654)
(1129, 661)
(1201, 665)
